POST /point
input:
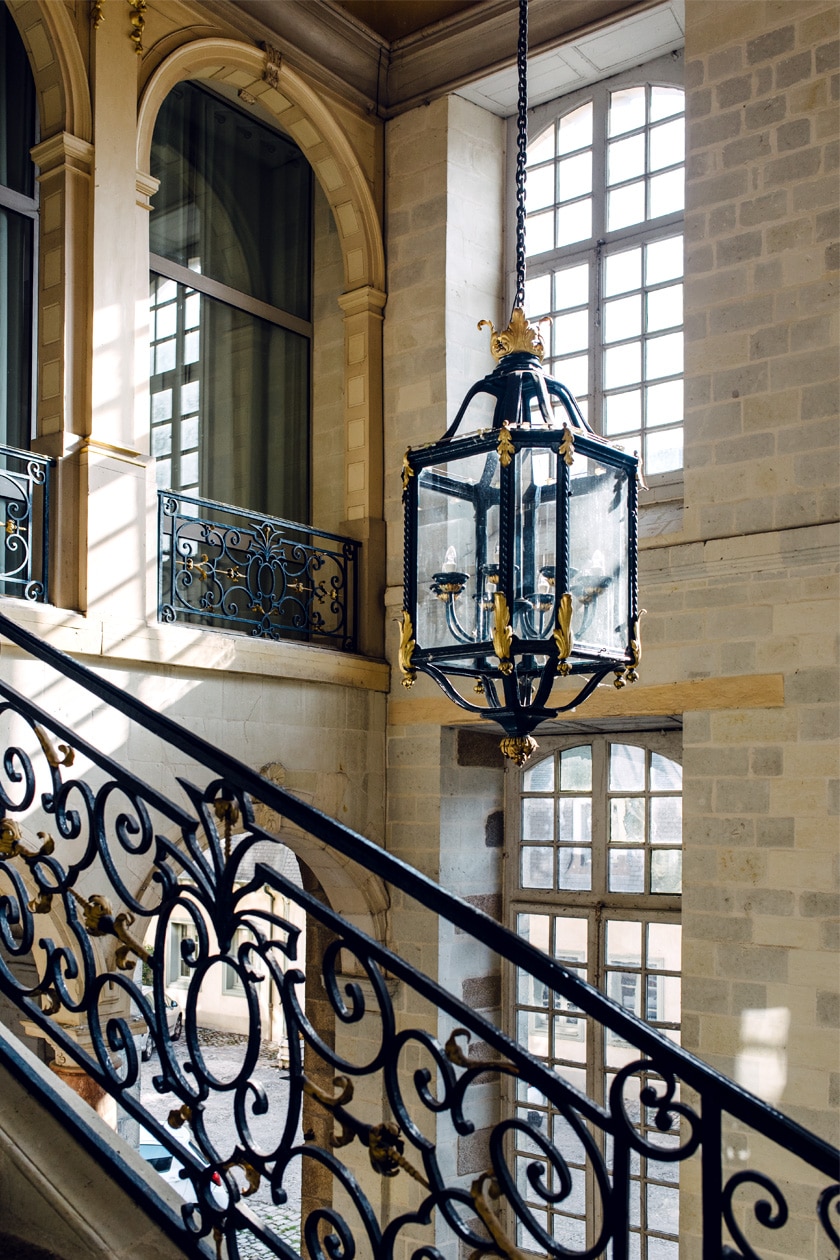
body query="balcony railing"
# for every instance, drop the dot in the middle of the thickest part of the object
(388, 1070)
(228, 568)
(25, 520)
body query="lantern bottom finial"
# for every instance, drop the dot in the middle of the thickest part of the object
(518, 748)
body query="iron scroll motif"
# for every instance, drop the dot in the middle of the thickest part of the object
(62, 896)
(237, 570)
(25, 522)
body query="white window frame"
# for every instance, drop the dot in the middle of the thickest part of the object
(598, 906)
(666, 71)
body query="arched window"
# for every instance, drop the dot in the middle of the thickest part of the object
(594, 877)
(18, 236)
(230, 241)
(605, 199)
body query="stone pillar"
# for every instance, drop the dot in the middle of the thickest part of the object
(363, 453)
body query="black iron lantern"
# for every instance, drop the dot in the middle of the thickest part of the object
(520, 538)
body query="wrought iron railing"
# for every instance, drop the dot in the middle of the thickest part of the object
(95, 863)
(25, 521)
(237, 570)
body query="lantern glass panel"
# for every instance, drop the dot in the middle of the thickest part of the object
(599, 555)
(457, 546)
(535, 542)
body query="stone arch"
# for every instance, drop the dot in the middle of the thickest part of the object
(49, 37)
(300, 112)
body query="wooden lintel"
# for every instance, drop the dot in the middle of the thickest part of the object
(749, 691)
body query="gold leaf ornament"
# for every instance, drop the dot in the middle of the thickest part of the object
(407, 646)
(563, 633)
(505, 445)
(502, 632)
(519, 336)
(407, 470)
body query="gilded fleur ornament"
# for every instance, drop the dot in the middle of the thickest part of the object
(563, 633)
(407, 646)
(502, 632)
(505, 446)
(630, 673)
(519, 336)
(567, 446)
(407, 470)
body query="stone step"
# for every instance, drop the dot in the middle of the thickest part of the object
(16, 1249)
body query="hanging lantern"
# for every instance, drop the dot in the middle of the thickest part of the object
(520, 536)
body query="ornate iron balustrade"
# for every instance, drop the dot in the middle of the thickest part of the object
(238, 570)
(79, 830)
(25, 506)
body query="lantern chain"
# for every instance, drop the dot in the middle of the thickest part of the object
(521, 151)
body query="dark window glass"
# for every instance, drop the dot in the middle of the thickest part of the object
(229, 376)
(18, 218)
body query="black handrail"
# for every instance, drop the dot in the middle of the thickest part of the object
(212, 883)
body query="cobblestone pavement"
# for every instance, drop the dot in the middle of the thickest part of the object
(222, 1054)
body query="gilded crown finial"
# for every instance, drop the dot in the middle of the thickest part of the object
(518, 336)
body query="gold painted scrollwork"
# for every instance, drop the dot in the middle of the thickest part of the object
(138, 23)
(502, 632)
(407, 646)
(567, 446)
(563, 633)
(483, 1189)
(67, 754)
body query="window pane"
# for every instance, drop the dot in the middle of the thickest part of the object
(664, 403)
(576, 769)
(534, 928)
(574, 824)
(539, 188)
(627, 820)
(626, 206)
(541, 148)
(665, 308)
(575, 130)
(667, 193)
(667, 144)
(623, 318)
(664, 260)
(666, 871)
(622, 365)
(624, 943)
(570, 332)
(627, 768)
(536, 867)
(570, 937)
(575, 176)
(574, 222)
(537, 819)
(664, 450)
(574, 869)
(666, 820)
(571, 287)
(17, 110)
(623, 412)
(627, 870)
(664, 946)
(625, 159)
(627, 110)
(665, 102)
(574, 374)
(624, 271)
(540, 778)
(665, 775)
(539, 233)
(538, 296)
(664, 356)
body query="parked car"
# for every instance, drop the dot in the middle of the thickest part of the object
(170, 1167)
(174, 1022)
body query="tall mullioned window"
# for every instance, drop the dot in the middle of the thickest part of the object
(594, 880)
(230, 241)
(18, 236)
(605, 200)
